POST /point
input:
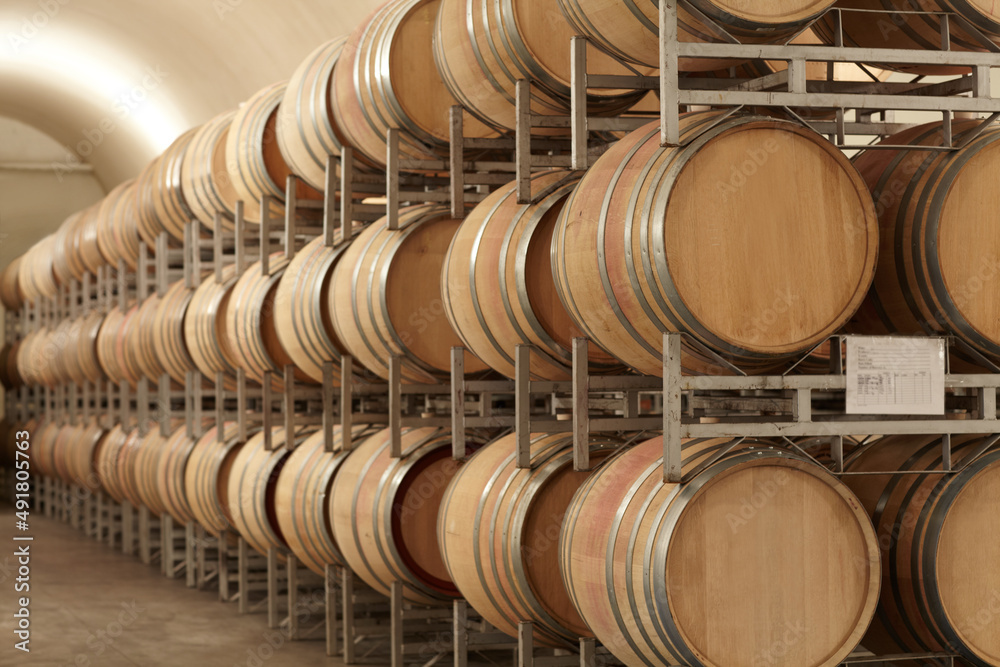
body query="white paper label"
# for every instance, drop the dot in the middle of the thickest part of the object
(895, 375)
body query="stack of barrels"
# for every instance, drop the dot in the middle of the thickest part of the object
(755, 237)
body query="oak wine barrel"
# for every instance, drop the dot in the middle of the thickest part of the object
(302, 497)
(80, 352)
(919, 31)
(498, 530)
(630, 30)
(253, 485)
(205, 182)
(747, 221)
(251, 323)
(732, 568)
(65, 258)
(497, 283)
(932, 204)
(142, 342)
(117, 226)
(482, 51)
(207, 475)
(144, 466)
(10, 288)
(110, 455)
(384, 512)
(302, 317)
(256, 168)
(10, 376)
(306, 129)
(112, 349)
(80, 457)
(939, 542)
(206, 328)
(170, 474)
(43, 448)
(386, 78)
(35, 275)
(167, 330)
(161, 205)
(385, 296)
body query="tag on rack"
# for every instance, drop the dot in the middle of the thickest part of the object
(896, 375)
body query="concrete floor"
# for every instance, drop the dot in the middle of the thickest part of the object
(92, 606)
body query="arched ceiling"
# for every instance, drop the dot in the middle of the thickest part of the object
(115, 81)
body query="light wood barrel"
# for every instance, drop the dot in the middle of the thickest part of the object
(117, 226)
(913, 31)
(937, 533)
(142, 340)
(497, 283)
(302, 317)
(254, 161)
(112, 347)
(253, 485)
(64, 251)
(306, 129)
(81, 246)
(630, 30)
(931, 204)
(482, 50)
(43, 448)
(386, 79)
(498, 530)
(206, 478)
(167, 332)
(110, 455)
(37, 359)
(765, 238)
(80, 455)
(35, 276)
(10, 288)
(82, 363)
(206, 329)
(26, 367)
(205, 181)
(302, 498)
(144, 464)
(714, 593)
(385, 297)
(159, 194)
(384, 512)
(170, 475)
(251, 323)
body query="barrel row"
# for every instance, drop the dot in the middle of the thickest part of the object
(615, 553)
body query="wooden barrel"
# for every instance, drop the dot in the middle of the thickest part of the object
(168, 332)
(205, 182)
(80, 244)
(142, 340)
(144, 466)
(253, 486)
(254, 161)
(206, 329)
(37, 359)
(10, 288)
(64, 251)
(497, 283)
(117, 226)
(302, 498)
(669, 574)
(385, 297)
(764, 234)
(26, 367)
(302, 317)
(482, 50)
(159, 195)
(110, 457)
(937, 533)
(498, 530)
(207, 475)
(384, 512)
(43, 449)
(79, 457)
(10, 377)
(306, 129)
(385, 78)
(913, 31)
(630, 30)
(112, 347)
(35, 276)
(170, 475)
(930, 204)
(252, 330)
(80, 351)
